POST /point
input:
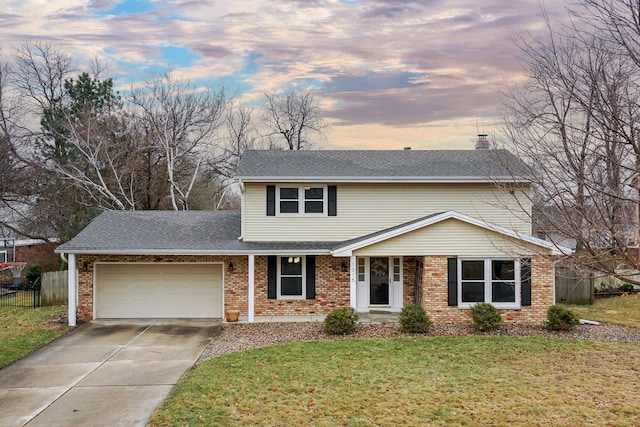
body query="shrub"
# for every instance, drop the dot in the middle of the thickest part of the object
(341, 321)
(33, 272)
(485, 317)
(560, 319)
(627, 287)
(414, 319)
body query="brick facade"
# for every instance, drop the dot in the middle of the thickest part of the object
(408, 280)
(332, 290)
(235, 282)
(434, 299)
(332, 286)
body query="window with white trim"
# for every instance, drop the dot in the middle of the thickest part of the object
(301, 200)
(396, 269)
(361, 270)
(291, 277)
(496, 281)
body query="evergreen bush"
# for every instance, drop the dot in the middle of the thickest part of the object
(627, 287)
(485, 317)
(341, 321)
(560, 319)
(413, 319)
(33, 272)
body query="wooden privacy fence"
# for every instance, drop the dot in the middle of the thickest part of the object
(54, 288)
(573, 288)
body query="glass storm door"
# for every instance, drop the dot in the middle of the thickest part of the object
(379, 281)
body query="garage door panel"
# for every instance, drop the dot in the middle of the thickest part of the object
(158, 290)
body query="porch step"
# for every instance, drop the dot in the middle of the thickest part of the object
(379, 317)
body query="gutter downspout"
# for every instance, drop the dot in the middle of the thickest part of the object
(72, 282)
(353, 276)
(251, 290)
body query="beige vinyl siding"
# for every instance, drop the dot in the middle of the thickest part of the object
(367, 208)
(451, 237)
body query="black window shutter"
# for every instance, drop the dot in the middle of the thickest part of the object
(452, 281)
(272, 276)
(332, 197)
(311, 277)
(271, 200)
(525, 281)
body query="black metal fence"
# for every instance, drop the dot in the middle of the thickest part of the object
(20, 295)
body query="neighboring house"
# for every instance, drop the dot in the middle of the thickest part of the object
(35, 252)
(376, 230)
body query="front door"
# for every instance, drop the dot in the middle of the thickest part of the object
(379, 281)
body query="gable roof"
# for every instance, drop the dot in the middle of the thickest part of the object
(347, 248)
(380, 166)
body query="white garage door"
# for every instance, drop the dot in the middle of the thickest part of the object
(158, 291)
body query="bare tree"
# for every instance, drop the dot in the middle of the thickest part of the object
(293, 119)
(575, 121)
(20, 175)
(238, 135)
(41, 73)
(180, 119)
(11, 168)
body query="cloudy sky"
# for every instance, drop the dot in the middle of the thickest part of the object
(388, 73)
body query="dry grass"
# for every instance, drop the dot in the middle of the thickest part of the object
(438, 381)
(23, 330)
(617, 310)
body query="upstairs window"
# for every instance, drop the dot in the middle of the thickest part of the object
(314, 200)
(305, 200)
(289, 200)
(302, 200)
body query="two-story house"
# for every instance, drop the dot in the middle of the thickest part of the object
(317, 230)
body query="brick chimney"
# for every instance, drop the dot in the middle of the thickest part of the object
(482, 143)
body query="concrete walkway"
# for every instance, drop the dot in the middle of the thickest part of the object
(108, 373)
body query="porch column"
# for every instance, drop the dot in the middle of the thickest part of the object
(353, 276)
(72, 278)
(251, 293)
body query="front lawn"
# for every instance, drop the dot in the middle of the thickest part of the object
(616, 310)
(23, 330)
(477, 380)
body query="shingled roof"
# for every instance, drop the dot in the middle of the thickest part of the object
(377, 165)
(175, 232)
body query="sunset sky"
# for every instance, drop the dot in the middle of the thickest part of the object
(388, 73)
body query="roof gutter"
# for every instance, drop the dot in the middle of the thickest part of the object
(195, 252)
(401, 180)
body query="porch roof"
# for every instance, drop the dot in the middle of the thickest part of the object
(346, 248)
(176, 233)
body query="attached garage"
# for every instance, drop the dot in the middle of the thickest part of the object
(156, 290)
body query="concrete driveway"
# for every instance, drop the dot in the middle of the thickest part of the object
(107, 373)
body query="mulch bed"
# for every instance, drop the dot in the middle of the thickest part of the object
(245, 336)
